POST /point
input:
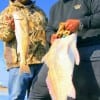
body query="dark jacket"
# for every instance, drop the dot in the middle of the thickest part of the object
(87, 11)
(37, 35)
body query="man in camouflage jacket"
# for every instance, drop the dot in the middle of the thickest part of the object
(37, 47)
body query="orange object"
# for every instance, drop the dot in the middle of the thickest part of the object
(72, 25)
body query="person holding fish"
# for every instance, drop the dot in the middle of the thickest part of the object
(22, 29)
(80, 17)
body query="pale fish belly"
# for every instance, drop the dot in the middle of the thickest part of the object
(21, 33)
(61, 59)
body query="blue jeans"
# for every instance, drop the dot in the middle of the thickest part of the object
(19, 84)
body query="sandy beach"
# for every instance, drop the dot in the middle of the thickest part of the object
(3, 89)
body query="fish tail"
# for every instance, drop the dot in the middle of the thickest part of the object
(72, 92)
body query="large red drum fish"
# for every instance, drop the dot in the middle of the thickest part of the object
(22, 37)
(60, 60)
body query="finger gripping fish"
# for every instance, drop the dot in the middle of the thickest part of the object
(21, 33)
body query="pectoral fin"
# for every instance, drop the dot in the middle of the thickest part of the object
(75, 52)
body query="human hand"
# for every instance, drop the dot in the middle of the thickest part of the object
(53, 37)
(10, 22)
(72, 25)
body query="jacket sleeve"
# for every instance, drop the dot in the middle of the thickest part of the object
(92, 20)
(6, 33)
(50, 29)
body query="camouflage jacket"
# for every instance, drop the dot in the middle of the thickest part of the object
(37, 35)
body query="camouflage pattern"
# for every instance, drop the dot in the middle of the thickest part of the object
(37, 36)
